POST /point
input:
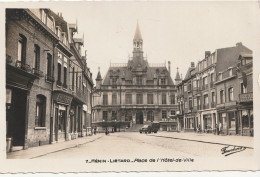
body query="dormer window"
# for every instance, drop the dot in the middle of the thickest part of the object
(139, 80)
(230, 71)
(44, 16)
(163, 82)
(114, 81)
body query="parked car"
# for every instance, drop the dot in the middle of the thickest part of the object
(154, 127)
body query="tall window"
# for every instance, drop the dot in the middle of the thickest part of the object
(205, 81)
(104, 99)
(40, 111)
(150, 116)
(149, 98)
(139, 80)
(21, 49)
(163, 82)
(59, 74)
(213, 97)
(65, 77)
(114, 99)
(198, 103)
(172, 99)
(163, 98)
(206, 99)
(104, 115)
(114, 115)
(73, 78)
(173, 112)
(139, 98)
(231, 94)
(222, 96)
(164, 114)
(77, 80)
(211, 77)
(128, 98)
(243, 88)
(49, 66)
(190, 103)
(36, 57)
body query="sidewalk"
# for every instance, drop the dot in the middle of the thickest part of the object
(244, 141)
(38, 151)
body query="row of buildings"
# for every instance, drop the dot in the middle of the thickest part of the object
(48, 83)
(218, 93)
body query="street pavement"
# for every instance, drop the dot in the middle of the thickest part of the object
(133, 144)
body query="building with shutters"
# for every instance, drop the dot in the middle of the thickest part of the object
(135, 93)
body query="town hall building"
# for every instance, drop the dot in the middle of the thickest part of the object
(135, 93)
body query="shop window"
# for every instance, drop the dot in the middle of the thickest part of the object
(22, 48)
(128, 98)
(104, 115)
(232, 122)
(40, 111)
(164, 114)
(149, 98)
(114, 99)
(163, 98)
(62, 119)
(231, 94)
(105, 101)
(139, 98)
(150, 116)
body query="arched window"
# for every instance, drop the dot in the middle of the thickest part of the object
(150, 116)
(21, 55)
(40, 111)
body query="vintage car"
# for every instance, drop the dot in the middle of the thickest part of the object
(154, 127)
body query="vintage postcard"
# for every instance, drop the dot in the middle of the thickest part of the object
(130, 86)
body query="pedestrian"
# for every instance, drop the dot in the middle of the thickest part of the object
(220, 128)
(95, 130)
(199, 128)
(217, 130)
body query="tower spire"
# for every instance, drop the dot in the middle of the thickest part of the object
(138, 35)
(138, 41)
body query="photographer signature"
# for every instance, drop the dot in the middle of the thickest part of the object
(228, 150)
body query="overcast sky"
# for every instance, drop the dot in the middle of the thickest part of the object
(179, 32)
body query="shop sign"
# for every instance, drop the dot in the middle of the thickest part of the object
(63, 99)
(245, 97)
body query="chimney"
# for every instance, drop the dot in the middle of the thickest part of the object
(169, 67)
(192, 64)
(239, 44)
(207, 53)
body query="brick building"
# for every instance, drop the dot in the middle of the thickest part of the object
(213, 92)
(38, 57)
(135, 93)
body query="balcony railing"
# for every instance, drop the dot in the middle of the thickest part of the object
(246, 97)
(37, 72)
(206, 106)
(23, 66)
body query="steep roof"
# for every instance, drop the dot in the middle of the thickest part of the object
(177, 76)
(126, 73)
(138, 35)
(228, 56)
(99, 76)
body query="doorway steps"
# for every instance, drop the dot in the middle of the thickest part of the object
(134, 128)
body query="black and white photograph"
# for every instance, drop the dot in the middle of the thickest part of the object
(130, 86)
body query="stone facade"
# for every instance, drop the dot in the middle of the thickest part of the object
(135, 93)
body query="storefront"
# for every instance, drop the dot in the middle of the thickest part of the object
(61, 122)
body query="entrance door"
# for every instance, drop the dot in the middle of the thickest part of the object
(139, 117)
(15, 117)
